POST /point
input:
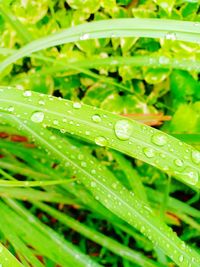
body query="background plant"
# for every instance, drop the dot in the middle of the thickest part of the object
(94, 87)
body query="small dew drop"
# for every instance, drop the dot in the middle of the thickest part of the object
(41, 102)
(55, 122)
(181, 258)
(178, 162)
(84, 36)
(27, 93)
(93, 184)
(11, 109)
(149, 152)
(123, 129)
(190, 175)
(83, 164)
(93, 171)
(101, 141)
(196, 157)
(164, 60)
(159, 139)
(170, 36)
(76, 105)
(96, 118)
(37, 116)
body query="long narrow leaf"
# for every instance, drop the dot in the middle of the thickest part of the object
(106, 129)
(169, 29)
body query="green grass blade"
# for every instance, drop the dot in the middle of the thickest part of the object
(151, 60)
(5, 183)
(106, 129)
(26, 194)
(7, 259)
(154, 28)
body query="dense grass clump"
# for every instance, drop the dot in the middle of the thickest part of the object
(99, 133)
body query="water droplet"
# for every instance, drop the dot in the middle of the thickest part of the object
(84, 36)
(149, 152)
(11, 109)
(159, 139)
(123, 129)
(93, 184)
(76, 105)
(93, 171)
(96, 118)
(181, 258)
(178, 162)
(83, 164)
(41, 102)
(27, 93)
(55, 122)
(164, 60)
(190, 175)
(196, 157)
(101, 141)
(170, 36)
(37, 116)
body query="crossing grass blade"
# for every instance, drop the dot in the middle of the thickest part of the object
(154, 28)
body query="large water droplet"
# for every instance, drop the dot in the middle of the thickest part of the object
(37, 116)
(101, 141)
(123, 129)
(159, 139)
(149, 152)
(196, 157)
(96, 118)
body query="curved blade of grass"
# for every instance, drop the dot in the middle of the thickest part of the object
(137, 140)
(112, 194)
(7, 259)
(154, 28)
(99, 238)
